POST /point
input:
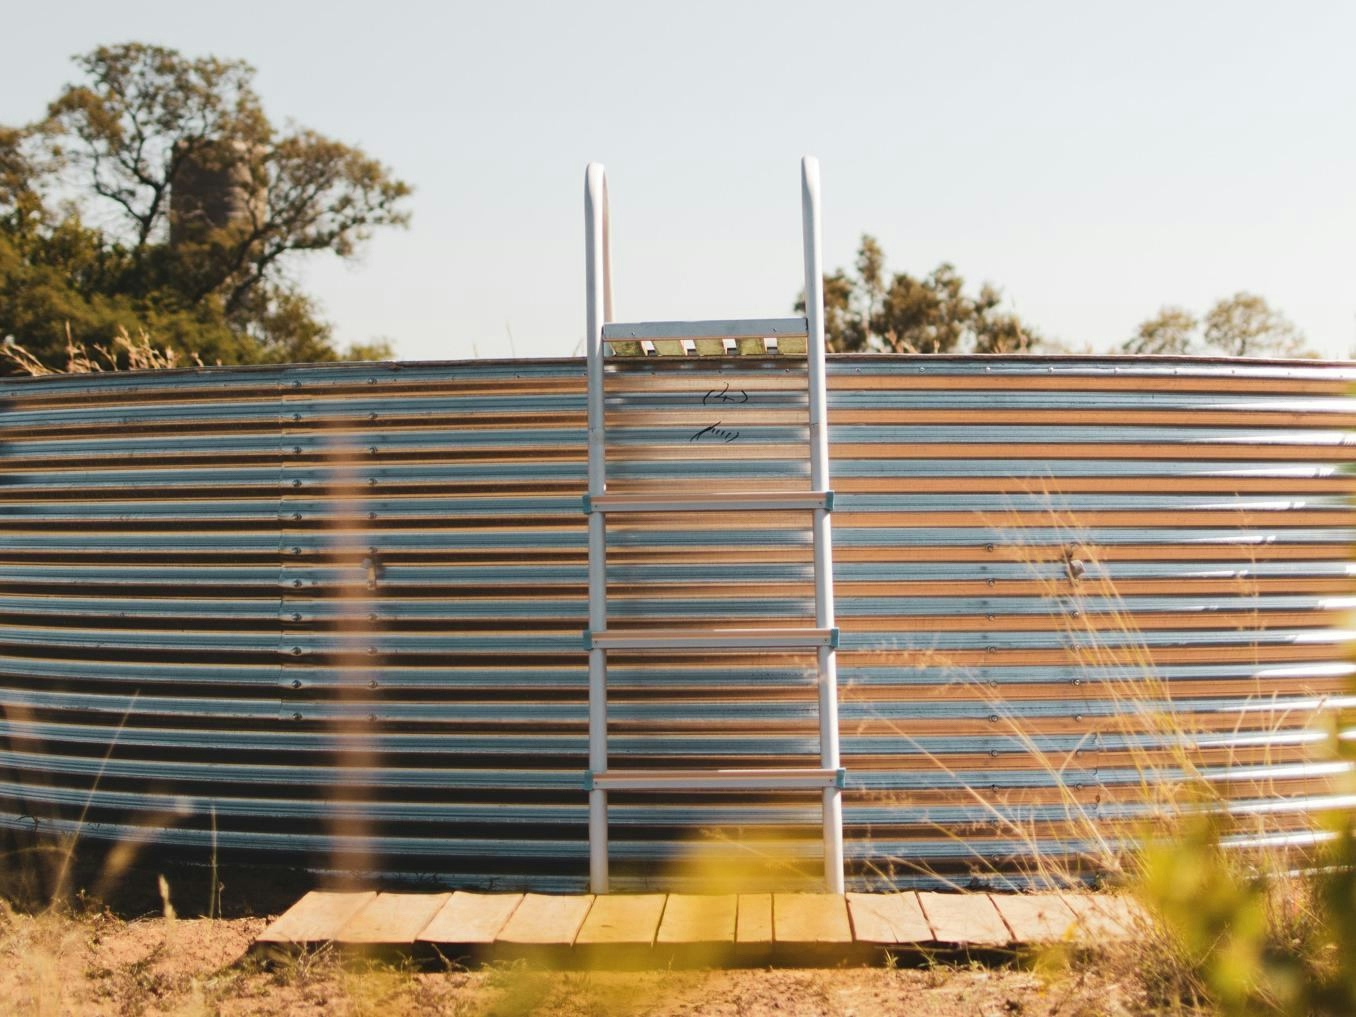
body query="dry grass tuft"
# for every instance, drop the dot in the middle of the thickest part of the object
(124, 352)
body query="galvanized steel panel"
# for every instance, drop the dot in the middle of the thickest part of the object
(333, 613)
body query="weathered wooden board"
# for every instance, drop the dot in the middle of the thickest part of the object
(471, 919)
(546, 920)
(1103, 917)
(754, 921)
(316, 918)
(622, 920)
(888, 918)
(699, 918)
(1037, 917)
(810, 918)
(392, 919)
(966, 919)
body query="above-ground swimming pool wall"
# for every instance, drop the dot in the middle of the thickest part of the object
(333, 613)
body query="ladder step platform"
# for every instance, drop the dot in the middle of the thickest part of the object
(784, 346)
(757, 337)
(711, 639)
(733, 502)
(736, 328)
(751, 779)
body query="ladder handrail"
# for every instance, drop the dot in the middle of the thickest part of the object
(597, 272)
(823, 539)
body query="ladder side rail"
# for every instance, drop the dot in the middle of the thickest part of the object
(823, 540)
(598, 286)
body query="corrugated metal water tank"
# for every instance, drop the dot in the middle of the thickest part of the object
(332, 614)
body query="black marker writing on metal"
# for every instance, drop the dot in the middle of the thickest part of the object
(716, 431)
(725, 395)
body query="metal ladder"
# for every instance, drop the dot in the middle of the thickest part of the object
(604, 338)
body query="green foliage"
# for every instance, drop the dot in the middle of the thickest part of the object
(868, 312)
(1171, 330)
(1243, 325)
(1251, 932)
(203, 270)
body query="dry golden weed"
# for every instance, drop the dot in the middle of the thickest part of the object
(124, 352)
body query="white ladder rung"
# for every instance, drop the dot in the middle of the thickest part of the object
(738, 328)
(711, 639)
(734, 502)
(752, 779)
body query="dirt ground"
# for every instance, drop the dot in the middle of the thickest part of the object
(103, 965)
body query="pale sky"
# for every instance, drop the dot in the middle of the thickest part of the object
(1096, 161)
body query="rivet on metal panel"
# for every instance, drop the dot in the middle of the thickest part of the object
(296, 416)
(296, 651)
(372, 450)
(296, 516)
(371, 381)
(296, 616)
(296, 483)
(988, 617)
(990, 649)
(372, 684)
(296, 383)
(994, 754)
(296, 683)
(296, 450)
(371, 481)
(1078, 681)
(1078, 717)
(296, 550)
(296, 582)
(296, 716)
(993, 718)
(988, 547)
(990, 581)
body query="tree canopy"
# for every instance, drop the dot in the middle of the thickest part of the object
(157, 196)
(866, 310)
(1243, 325)
(871, 312)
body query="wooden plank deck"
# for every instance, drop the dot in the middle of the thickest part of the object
(708, 929)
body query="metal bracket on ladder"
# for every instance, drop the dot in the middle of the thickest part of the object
(752, 337)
